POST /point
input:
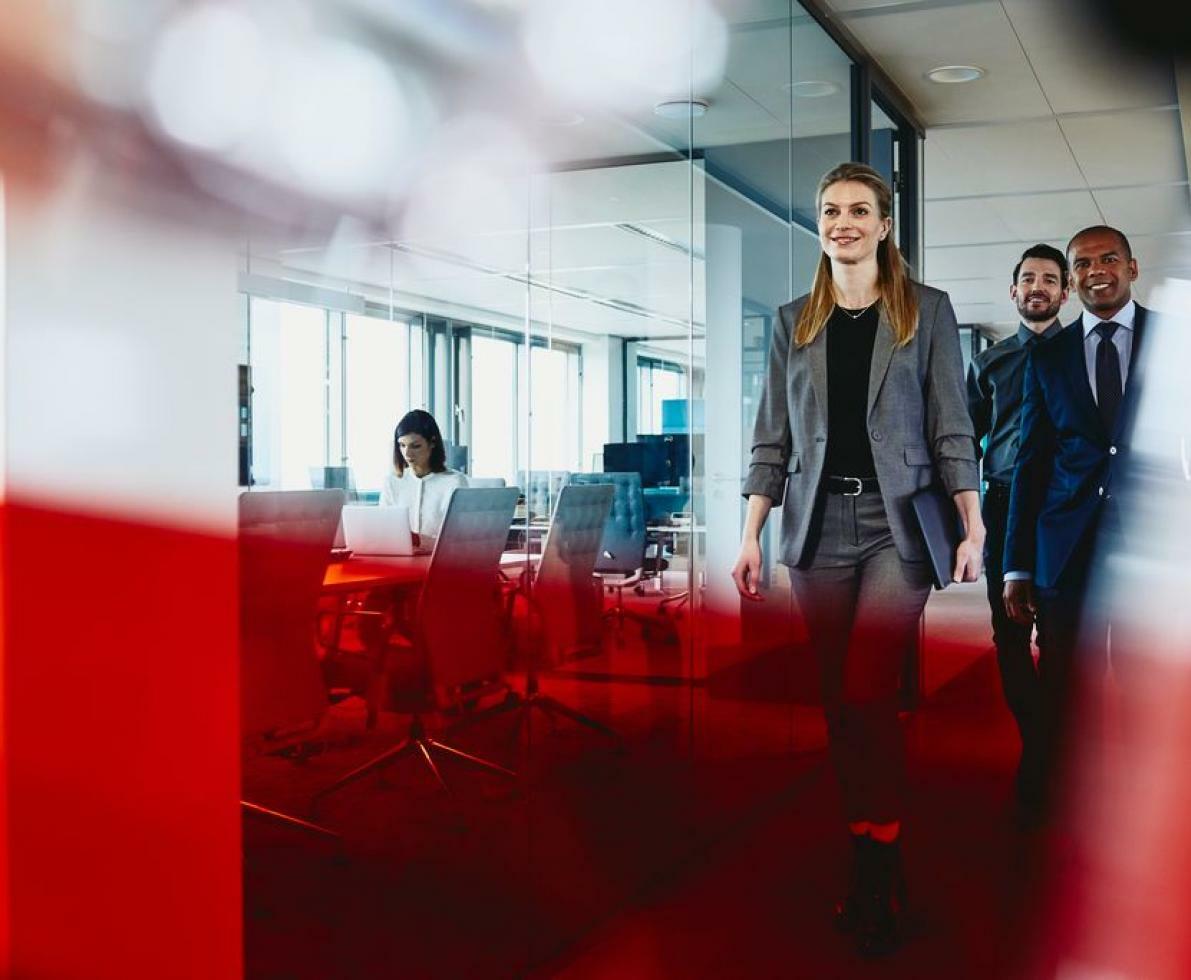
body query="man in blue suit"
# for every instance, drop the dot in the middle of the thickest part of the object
(1073, 446)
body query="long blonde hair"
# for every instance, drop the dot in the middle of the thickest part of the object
(893, 280)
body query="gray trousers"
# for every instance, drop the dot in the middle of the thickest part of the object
(861, 603)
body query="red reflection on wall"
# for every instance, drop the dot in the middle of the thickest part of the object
(120, 695)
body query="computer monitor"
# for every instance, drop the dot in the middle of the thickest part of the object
(667, 459)
(625, 457)
(662, 460)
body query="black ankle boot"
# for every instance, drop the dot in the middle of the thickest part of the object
(884, 901)
(848, 914)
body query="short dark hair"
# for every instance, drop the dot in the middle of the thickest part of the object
(419, 423)
(1101, 230)
(1048, 252)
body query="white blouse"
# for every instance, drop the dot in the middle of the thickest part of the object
(426, 497)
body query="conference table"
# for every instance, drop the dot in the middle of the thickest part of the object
(359, 573)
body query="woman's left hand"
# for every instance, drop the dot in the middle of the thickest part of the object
(968, 557)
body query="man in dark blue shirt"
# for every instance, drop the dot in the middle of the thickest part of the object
(1039, 289)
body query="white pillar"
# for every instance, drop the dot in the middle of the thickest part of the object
(723, 445)
(603, 393)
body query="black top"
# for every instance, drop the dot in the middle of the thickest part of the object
(849, 361)
(994, 398)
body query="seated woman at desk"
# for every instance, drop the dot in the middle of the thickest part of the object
(421, 480)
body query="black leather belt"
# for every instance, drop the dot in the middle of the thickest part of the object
(851, 486)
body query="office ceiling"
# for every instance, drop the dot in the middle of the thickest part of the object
(1061, 133)
(1064, 131)
(608, 248)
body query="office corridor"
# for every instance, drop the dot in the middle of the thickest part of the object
(648, 864)
(758, 904)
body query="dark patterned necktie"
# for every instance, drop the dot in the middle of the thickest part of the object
(1108, 375)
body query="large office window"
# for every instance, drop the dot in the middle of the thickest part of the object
(376, 394)
(328, 389)
(555, 436)
(493, 449)
(502, 444)
(657, 381)
(290, 393)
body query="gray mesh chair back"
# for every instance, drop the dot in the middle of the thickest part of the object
(284, 546)
(541, 488)
(565, 592)
(460, 616)
(622, 550)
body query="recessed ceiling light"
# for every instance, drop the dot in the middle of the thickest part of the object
(681, 108)
(811, 89)
(954, 74)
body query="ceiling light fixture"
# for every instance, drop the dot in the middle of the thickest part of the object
(955, 74)
(682, 108)
(811, 89)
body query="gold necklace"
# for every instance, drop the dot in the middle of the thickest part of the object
(858, 315)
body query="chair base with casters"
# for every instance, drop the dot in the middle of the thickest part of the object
(287, 820)
(552, 708)
(447, 659)
(619, 614)
(561, 595)
(417, 741)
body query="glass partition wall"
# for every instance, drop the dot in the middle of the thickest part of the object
(587, 286)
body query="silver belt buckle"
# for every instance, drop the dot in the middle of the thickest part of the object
(859, 486)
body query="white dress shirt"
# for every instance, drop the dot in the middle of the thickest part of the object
(426, 497)
(1122, 340)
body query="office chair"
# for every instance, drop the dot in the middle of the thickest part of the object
(456, 456)
(541, 488)
(335, 478)
(565, 596)
(621, 563)
(458, 643)
(284, 545)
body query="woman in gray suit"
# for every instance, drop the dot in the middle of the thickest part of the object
(883, 352)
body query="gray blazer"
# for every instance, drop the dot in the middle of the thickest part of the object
(918, 423)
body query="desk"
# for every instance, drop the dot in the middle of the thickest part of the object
(359, 574)
(659, 532)
(362, 574)
(403, 574)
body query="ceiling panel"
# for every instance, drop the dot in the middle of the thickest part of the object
(608, 247)
(999, 155)
(975, 312)
(996, 261)
(605, 195)
(1173, 251)
(1147, 210)
(1078, 68)
(909, 43)
(962, 222)
(1128, 148)
(592, 136)
(1041, 217)
(985, 289)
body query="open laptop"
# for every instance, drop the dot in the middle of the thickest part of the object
(377, 530)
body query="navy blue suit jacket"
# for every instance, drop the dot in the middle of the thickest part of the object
(1066, 458)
